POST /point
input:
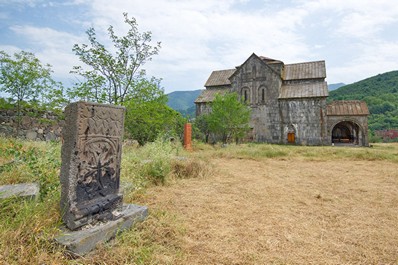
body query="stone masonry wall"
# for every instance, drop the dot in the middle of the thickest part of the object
(253, 77)
(35, 125)
(306, 118)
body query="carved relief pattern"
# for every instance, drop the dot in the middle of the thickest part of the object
(98, 168)
(100, 130)
(98, 120)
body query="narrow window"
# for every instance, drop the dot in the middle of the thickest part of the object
(245, 96)
(263, 95)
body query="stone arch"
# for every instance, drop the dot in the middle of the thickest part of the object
(347, 132)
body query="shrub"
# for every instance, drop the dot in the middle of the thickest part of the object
(156, 159)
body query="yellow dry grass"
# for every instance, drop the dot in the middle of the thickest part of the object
(287, 211)
(246, 204)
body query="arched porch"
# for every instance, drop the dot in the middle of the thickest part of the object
(347, 133)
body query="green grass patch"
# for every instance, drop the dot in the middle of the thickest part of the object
(381, 151)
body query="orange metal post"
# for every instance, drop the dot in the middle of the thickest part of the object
(188, 136)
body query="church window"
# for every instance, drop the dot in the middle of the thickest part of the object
(261, 94)
(245, 95)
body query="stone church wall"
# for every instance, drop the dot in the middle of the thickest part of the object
(261, 84)
(306, 118)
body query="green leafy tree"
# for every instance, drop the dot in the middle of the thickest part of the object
(201, 128)
(115, 74)
(229, 118)
(24, 77)
(146, 120)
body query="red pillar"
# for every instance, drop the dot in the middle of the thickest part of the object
(188, 136)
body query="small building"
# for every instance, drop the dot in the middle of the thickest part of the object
(288, 103)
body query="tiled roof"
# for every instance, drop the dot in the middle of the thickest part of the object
(220, 78)
(309, 70)
(304, 90)
(347, 107)
(208, 95)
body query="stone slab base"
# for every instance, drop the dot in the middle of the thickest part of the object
(82, 241)
(25, 190)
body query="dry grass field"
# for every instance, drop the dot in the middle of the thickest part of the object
(287, 211)
(246, 204)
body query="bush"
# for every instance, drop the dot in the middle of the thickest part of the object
(156, 160)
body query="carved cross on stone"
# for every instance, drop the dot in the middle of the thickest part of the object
(91, 156)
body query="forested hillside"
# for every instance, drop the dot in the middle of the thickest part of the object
(380, 93)
(183, 101)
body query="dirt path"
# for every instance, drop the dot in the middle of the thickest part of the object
(288, 212)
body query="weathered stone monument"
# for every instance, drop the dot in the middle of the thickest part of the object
(90, 176)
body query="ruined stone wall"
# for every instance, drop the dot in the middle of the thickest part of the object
(261, 84)
(34, 125)
(306, 118)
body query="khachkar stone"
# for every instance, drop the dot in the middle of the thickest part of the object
(90, 177)
(91, 156)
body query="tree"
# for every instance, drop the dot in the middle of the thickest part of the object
(25, 78)
(229, 118)
(147, 118)
(201, 128)
(113, 77)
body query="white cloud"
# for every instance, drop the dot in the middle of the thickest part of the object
(199, 36)
(378, 57)
(52, 47)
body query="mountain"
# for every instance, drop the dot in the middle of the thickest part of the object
(183, 101)
(332, 87)
(380, 93)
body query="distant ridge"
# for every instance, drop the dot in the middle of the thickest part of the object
(183, 101)
(332, 87)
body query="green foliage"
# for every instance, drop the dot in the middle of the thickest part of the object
(148, 116)
(380, 93)
(158, 165)
(229, 118)
(200, 129)
(114, 76)
(5, 104)
(31, 164)
(25, 78)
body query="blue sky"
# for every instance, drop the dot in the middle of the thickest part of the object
(356, 38)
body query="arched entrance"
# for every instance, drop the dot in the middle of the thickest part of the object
(346, 132)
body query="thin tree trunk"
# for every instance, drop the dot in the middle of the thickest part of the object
(18, 117)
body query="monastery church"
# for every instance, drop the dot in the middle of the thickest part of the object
(288, 103)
